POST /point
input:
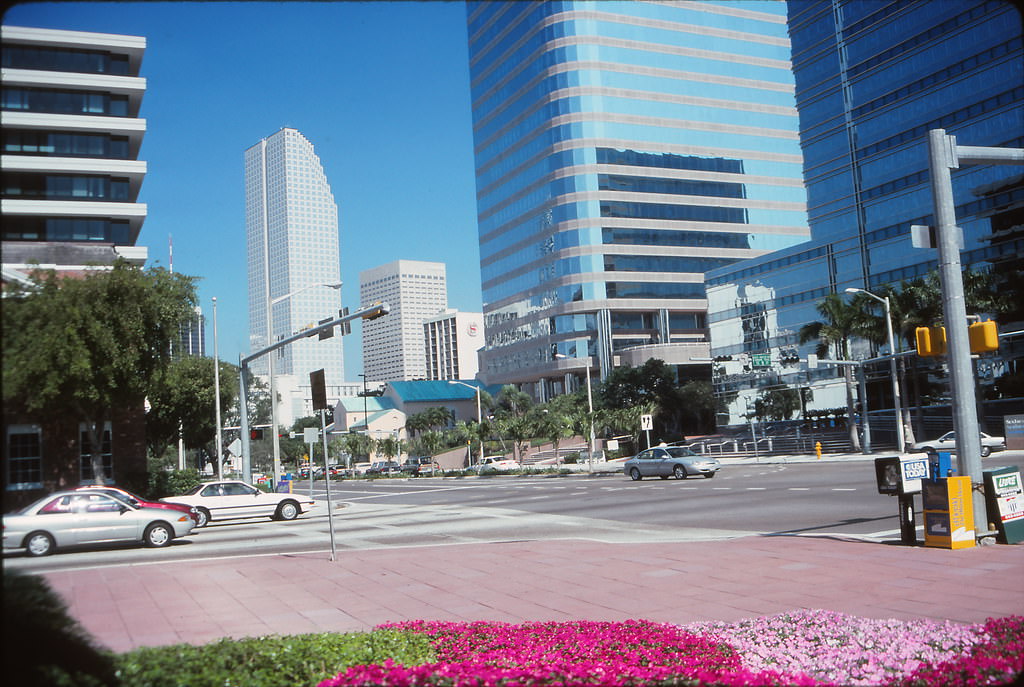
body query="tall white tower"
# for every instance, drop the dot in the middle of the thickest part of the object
(393, 348)
(289, 208)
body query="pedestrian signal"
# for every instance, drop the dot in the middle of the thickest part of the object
(984, 336)
(931, 341)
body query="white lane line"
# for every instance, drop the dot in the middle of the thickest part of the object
(844, 489)
(799, 489)
(756, 488)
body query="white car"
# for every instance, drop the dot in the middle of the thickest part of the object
(81, 517)
(495, 464)
(947, 442)
(229, 499)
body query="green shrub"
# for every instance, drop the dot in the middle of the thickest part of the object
(43, 645)
(172, 483)
(273, 661)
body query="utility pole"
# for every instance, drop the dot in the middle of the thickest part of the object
(944, 155)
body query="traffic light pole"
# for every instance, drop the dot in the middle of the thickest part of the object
(944, 155)
(369, 313)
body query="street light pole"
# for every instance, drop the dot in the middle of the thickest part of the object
(216, 392)
(590, 413)
(479, 416)
(897, 404)
(270, 363)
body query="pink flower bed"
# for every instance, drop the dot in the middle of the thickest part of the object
(803, 648)
(842, 649)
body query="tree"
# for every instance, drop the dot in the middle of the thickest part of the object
(184, 397)
(841, 322)
(697, 406)
(82, 346)
(777, 403)
(651, 383)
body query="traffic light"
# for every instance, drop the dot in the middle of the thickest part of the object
(380, 312)
(256, 434)
(931, 341)
(984, 336)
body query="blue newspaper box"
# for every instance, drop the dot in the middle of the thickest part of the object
(940, 464)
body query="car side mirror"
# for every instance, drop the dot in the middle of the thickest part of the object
(124, 509)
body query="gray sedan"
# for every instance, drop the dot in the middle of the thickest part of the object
(72, 518)
(670, 461)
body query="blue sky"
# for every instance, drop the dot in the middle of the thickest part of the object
(381, 89)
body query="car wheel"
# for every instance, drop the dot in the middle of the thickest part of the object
(158, 534)
(288, 510)
(39, 544)
(204, 517)
(927, 449)
(679, 472)
(985, 451)
(635, 475)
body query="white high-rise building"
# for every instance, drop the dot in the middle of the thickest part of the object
(453, 340)
(290, 208)
(393, 347)
(72, 134)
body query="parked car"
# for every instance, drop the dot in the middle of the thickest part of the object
(413, 464)
(670, 461)
(229, 499)
(430, 469)
(140, 502)
(495, 464)
(383, 467)
(79, 517)
(947, 442)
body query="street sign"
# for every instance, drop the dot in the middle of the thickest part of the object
(646, 422)
(235, 447)
(310, 435)
(761, 359)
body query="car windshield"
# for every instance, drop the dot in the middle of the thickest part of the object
(681, 452)
(193, 491)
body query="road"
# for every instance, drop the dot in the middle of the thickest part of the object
(812, 499)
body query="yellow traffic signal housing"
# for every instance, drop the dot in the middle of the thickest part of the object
(984, 336)
(931, 341)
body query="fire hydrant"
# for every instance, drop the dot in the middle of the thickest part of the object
(817, 449)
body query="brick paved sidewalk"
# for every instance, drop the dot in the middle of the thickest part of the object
(196, 602)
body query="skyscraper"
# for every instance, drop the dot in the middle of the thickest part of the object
(290, 208)
(622, 150)
(393, 347)
(872, 79)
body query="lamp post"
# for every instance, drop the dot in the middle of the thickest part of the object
(479, 416)
(270, 364)
(590, 414)
(216, 392)
(897, 405)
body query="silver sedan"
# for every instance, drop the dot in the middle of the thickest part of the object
(72, 518)
(670, 461)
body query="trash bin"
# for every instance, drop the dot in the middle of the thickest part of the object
(948, 513)
(284, 486)
(1004, 498)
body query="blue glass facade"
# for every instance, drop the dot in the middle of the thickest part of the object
(872, 78)
(622, 150)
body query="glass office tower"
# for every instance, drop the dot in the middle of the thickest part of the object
(872, 79)
(289, 207)
(622, 150)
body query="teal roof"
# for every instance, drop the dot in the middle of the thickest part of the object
(354, 404)
(424, 391)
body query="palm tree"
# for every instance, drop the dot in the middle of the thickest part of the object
(840, 322)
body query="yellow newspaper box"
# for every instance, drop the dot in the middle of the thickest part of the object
(948, 512)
